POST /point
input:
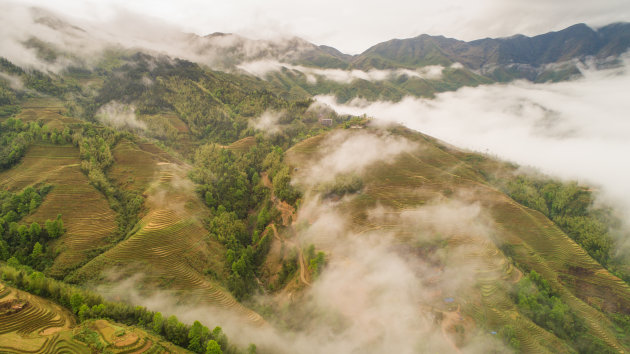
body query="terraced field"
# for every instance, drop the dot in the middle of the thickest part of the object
(49, 110)
(243, 145)
(134, 168)
(34, 325)
(172, 128)
(30, 324)
(117, 338)
(430, 176)
(87, 217)
(171, 248)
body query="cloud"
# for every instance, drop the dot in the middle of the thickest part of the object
(372, 297)
(261, 68)
(575, 130)
(267, 122)
(353, 26)
(15, 82)
(81, 41)
(345, 151)
(375, 294)
(119, 115)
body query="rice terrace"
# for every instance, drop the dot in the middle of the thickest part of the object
(189, 178)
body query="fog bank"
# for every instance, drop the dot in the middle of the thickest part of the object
(576, 130)
(261, 68)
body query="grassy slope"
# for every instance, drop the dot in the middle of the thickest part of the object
(87, 217)
(170, 246)
(45, 327)
(434, 172)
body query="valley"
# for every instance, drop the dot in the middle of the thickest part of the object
(228, 195)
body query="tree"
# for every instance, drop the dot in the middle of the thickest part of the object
(213, 347)
(84, 312)
(170, 328)
(37, 251)
(35, 230)
(158, 323)
(194, 338)
(76, 300)
(54, 228)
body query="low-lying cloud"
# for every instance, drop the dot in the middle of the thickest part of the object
(372, 297)
(261, 68)
(119, 115)
(344, 152)
(81, 42)
(577, 129)
(267, 122)
(15, 82)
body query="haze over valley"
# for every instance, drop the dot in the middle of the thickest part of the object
(334, 178)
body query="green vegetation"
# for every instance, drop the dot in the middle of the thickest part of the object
(41, 82)
(26, 244)
(16, 136)
(343, 184)
(230, 184)
(95, 144)
(572, 208)
(88, 305)
(537, 300)
(316, 261)
(243, 176)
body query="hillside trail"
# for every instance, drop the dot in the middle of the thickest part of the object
(451, 318)
(288, 216)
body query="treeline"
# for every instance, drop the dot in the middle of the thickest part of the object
(16, 136)
(544, 306)
(87, 305)
(95, 144)
(216, 107)
(231, 184)
(21, 243)
(572, 208)
(341, 185)
(48, 84)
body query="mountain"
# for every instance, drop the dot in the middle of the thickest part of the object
(528, 55)
(145, 195)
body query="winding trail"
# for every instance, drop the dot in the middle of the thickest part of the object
(302, 262)
(288, 217)
(451, 318)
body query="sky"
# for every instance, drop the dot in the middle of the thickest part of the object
(354, 25)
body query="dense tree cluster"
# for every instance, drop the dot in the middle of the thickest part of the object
(23, 243)
(538, 301)
(16, 136)
(95, 145)
(341, 185)
(572, 208)
(45, 83)
(87, 305)
(230, 183)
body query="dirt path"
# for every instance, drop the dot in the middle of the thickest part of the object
(288, 213)
(286, 210)
(301, 260)
(450, 319)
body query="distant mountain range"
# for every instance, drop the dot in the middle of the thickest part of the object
(523, 55)
(547, 57)
(575, 42)
(300, 67)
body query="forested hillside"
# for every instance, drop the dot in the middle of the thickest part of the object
(146, 199)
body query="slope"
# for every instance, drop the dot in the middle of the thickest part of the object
(31, 324)
(406, 196)
(170, 248)
(87, 216)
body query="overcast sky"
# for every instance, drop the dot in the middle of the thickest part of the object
(354, 25)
